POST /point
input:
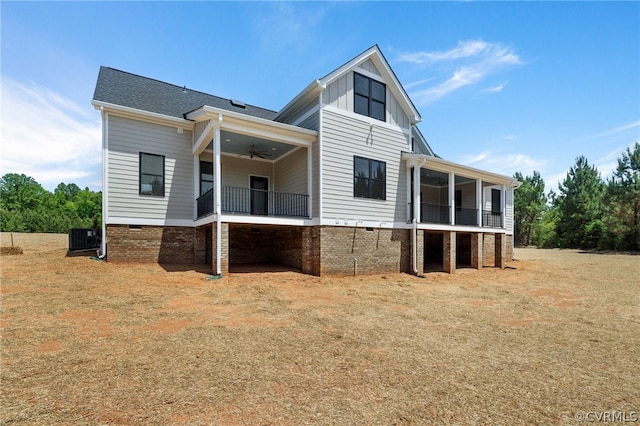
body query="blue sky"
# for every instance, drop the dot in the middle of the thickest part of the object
(501, 86)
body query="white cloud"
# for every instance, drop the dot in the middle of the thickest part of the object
(474, 60)
(617, 130)
(506, 164)
(48, 136)
(496, 89)
(464, 49)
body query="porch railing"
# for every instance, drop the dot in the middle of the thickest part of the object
(491, 219)
(467, 217)
(434, 213)
(256, 202)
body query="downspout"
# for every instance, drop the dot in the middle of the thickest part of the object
(416, 211)
(103, 241)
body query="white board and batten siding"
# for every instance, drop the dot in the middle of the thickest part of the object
(339, 94)
(127, 139)
(345, 136)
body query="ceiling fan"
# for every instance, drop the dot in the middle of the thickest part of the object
(261, 154)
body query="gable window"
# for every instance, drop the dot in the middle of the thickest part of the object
(369, 178)
(370, 97)
(206, 176)
(151, 174)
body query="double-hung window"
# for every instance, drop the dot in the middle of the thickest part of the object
(151, 174)
(369, 178)
(370, 97)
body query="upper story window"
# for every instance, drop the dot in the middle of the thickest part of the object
(369, 178)
(151, 174)
(370, 97)
(206, 176)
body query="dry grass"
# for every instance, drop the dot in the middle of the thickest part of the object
(89, 342)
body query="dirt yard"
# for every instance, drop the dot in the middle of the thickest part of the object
(555, 335)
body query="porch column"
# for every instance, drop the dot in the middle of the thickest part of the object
(503, 205)
(449, 248)
(476, 250)
(501, 251)
(416, 193)
(196, 183)
(479, 201)
(310, 182)
(217, 194)
(452, 199)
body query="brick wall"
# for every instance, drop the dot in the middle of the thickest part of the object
(161, 244)
(349, 251)
(489, 250)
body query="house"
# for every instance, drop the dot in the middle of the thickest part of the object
(339, 181)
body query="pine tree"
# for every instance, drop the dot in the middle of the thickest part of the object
(580, 206)
(529, 204)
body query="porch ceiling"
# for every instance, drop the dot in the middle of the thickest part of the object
(239, 144)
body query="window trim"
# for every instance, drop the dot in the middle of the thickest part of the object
(141, 173)
(370, 97)
(369, 179)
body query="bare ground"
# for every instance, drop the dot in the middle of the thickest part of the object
(90, 342)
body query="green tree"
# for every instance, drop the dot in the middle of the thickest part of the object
(21, 192)
(529, 204)
(580, 206)
(25, 206)
(623, 202)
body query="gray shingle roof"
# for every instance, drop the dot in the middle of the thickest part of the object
(134, 91)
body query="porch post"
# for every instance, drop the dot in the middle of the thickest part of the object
(479, 200)
(217, 193)
(503, 205)
(309, 182)
(452, 198)
(416, 193)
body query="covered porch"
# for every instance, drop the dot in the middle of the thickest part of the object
(248, 166)
(445, 193)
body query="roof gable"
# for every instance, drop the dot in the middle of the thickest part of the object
(371, 60)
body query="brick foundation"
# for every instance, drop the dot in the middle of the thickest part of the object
(353, 251)
(161, 244)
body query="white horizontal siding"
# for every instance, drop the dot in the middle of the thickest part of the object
(343, 137)
(290, 173)
(508, 217)
(236, 170)
(127, 138)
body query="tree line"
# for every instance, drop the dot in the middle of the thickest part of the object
(587, 212)
(25, 206)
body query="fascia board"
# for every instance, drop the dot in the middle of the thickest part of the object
(445, 166)
(138, 113)
(309, 92)
(256, 126)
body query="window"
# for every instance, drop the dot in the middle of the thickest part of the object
(206, 176)
(151, 174)
(369, 97)
(369, 178)
(495, 202)
(458, 200)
